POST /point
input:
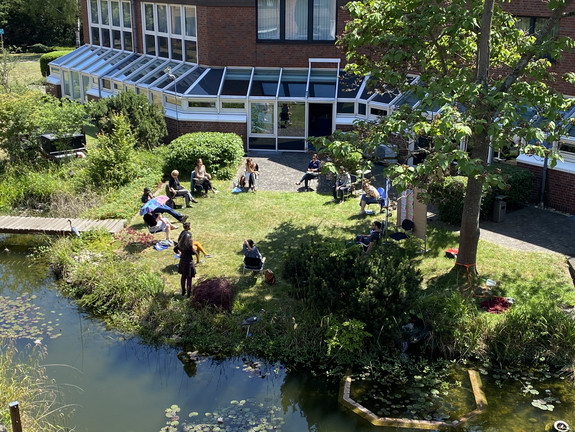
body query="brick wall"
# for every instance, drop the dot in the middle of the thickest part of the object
(538, 8)
(227, 37)
(559, 188)
(54, 90)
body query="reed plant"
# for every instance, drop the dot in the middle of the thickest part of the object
(23, 379)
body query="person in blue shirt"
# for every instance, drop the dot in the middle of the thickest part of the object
(313, 170)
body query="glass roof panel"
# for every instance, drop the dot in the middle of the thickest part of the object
(186, 81)
(123, 73)
(236, 82)
(408, 98)
(85, 50)
(209, 84)
(386, 97)
(100, 62)
(138, 75)
(122, 64)
(158, 73)
(165, 80)
(113, 62)
(72, 62)
(349, 85)
(369, 88)
(265, 82)
(293, 83)
(322, 83)
(87, 61)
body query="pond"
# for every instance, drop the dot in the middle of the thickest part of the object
(118, 384)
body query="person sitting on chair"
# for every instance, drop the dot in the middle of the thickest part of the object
(203, 178)
(162, 208)
(176, 189)
(252, 256)
(371, 195)
(313, 170)
(342, 184)
(367, 241)
(157, 223)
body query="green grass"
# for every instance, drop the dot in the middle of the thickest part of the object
(26, 71)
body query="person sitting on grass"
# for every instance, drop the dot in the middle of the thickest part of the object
(162, 208)
(157, 223)
(370, 196)
(369, 240)
(198, 248)
(313, 170)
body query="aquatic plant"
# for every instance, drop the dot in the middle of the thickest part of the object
(247, 415)
(22, 319)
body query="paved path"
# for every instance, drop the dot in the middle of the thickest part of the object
(527, 229)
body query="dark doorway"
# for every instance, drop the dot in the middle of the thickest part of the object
(320, 119)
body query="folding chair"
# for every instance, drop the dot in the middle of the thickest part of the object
(254, 264)
(195, 186)
(380, 201)
(407, 227)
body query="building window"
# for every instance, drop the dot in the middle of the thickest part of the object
(170, 32)
(111, 24)
(532, 25)
(296, 20)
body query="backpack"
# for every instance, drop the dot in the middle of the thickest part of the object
(269, 277)
(242, 182)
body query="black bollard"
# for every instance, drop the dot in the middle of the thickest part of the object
(15, 417)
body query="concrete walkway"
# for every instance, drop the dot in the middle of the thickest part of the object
(528, 229)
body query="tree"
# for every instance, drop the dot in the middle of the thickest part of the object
(480, 75)
(146, 120)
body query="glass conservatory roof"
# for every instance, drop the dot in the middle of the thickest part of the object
(187, 79)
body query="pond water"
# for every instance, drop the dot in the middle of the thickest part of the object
(119, 385)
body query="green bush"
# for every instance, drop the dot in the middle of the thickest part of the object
(146, 120)
(518, 188)
(517, 184)
(220, 152)
(112, 162)
(377, 289)
(448, 196)
(39, 48)
(47, 58)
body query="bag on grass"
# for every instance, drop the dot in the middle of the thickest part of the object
(269, 277)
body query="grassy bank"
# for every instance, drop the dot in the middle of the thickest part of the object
(136, 288)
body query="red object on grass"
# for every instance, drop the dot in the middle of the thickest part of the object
(495, 305)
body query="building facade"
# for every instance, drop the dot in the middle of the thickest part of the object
(268, 70)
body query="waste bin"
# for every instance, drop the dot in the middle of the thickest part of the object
(499, 208)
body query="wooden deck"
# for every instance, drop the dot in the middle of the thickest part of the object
(56, 226)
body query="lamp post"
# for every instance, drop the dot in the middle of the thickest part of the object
(172, 78)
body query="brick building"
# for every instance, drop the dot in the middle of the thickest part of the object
(268, 70)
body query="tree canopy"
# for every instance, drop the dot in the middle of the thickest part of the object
(481, 80)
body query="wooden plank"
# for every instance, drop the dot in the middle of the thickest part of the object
(59, 226)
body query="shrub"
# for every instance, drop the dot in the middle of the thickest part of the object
(49, 57)
(39, 48)
(112, 163)
(220, 152)
(377, 289)
(146, 120)
(449, 196)
(214, 292)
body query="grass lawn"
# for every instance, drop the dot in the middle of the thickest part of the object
(26, 70)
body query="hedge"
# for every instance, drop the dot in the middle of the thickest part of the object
(47, 58)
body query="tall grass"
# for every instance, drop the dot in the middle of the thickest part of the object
(23, 379)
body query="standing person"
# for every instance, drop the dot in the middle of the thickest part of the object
(176, 189)
(313, 170)
(371, 195)
(252, 174)
(186, 266)
(203, 178)
(342, 184)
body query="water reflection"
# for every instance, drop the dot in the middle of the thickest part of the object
(117, 384)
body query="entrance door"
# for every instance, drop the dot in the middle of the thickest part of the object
(320, 119)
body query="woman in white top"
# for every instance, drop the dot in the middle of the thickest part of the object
(203, 178)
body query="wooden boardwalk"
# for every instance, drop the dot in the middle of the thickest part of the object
(56, 226)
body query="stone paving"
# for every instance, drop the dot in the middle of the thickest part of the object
(528, 229)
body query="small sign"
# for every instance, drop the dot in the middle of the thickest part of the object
(1, 31)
